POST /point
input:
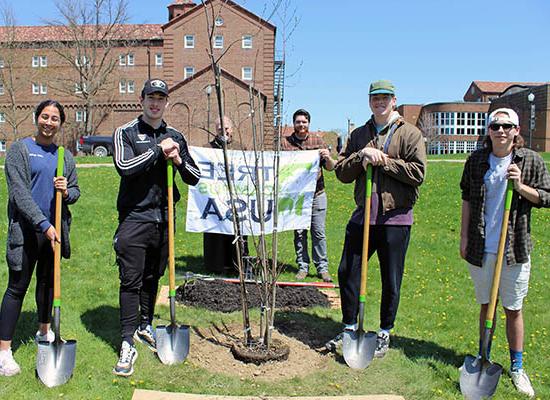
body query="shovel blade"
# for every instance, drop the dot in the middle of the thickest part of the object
(478, 378)
(358, 348)
(172, 343)
(55, 362)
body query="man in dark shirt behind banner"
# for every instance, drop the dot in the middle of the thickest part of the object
(302, 139)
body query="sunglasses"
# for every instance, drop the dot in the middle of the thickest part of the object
(506, 127)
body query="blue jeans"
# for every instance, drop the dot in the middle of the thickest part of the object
(318, 238)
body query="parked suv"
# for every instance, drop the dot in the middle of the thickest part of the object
(100, 146)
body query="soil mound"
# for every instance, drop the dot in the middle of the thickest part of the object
(218, 295)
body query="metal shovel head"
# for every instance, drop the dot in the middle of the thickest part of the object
(478, 379)
(172, 343)
(55, 362)
(358, 348)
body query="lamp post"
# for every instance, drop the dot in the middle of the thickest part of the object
(531, 98)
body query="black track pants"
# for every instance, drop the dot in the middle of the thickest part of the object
(142, 255)
(390, 242)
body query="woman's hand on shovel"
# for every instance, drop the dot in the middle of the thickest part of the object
(51, 234)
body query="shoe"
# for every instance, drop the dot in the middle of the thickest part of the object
(522, 383)
(333, 344)
(8, 366)
(147, 337)
(325, 276)
(126, 360)
(382, 344)
(301, 275)
(48, 337)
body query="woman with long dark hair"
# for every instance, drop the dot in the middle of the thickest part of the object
(30, 169)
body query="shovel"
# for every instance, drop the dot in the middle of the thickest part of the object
(359, 346)
(172, 340)
(55, 361)
(479, 376)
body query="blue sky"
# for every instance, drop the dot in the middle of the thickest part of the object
(431, 49)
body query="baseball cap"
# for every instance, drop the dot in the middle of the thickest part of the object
(382, 87)
(155, 86)
(510, 118)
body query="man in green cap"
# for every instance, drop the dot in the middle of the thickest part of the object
(396, 151)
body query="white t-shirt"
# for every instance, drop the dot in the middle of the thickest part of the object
(495, 192)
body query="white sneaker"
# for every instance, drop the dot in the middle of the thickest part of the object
(382, 344)
(126, 360)
(48, 337)
(522, 383)
(8, 366)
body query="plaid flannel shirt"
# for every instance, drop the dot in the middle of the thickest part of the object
(534, 174)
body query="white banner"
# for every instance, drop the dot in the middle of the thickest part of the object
(209, 205)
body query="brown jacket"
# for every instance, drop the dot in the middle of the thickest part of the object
(398, 181)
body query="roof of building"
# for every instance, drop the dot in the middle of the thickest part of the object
(499, 87)
(62, 33)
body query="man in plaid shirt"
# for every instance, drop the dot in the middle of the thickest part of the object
(302, 139)
(483, 186)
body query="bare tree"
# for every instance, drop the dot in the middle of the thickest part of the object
(429, 129)
(14, 114)
(91, 31)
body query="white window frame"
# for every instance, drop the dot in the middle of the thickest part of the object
(130, 87)
(43, 61)
(2, 91)
(189, 41)
(246, 42)
(3, 146)
(130, 60)
(218, 42)
(188, 72)
(2, 117)
(35, 88)
(218, 21)
(2, 62)
(43, 88)
(80, 115)
(122, 86)
(247, 74)
(122, 60)
(78, 89)
(159, 59)
(35, 61)
(81, 61)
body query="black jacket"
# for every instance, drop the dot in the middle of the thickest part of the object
(142, 195)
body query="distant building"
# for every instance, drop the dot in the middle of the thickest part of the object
(486, 91)
(175, 51)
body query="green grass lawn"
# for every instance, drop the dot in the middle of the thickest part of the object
(435, 328)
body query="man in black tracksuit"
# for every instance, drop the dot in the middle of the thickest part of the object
(141, 148)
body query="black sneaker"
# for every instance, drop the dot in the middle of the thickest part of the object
(382, 344)
(126, 360)
(147, 337)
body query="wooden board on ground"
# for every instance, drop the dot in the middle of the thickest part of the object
(140, 394)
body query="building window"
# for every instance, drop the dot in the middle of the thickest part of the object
(78, 88)
(2, 63)
(130, 87)
(247, 74)
(126, 59)
(189, 72)
(43, 61)
(35, 88)
(43, 89)
(1, 88)
(82, 61)
(122, 60)
(122, 86)
(158, 60)
(130, 59)
(189, 41)
(218, 21)
(35, 61)
(3, 146)
(247, 42)
(125, 86)
(80, 116)
(218, 42)
(2, 117)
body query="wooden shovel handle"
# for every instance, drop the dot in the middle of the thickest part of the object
(500, 256)
(171, 256)
(57, 246)
(366, 230)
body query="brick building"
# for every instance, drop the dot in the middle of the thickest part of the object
(32, 69)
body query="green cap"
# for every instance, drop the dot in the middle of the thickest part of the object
(382, 87)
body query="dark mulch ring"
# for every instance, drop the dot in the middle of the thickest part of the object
(218, 295)
(257, 353)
